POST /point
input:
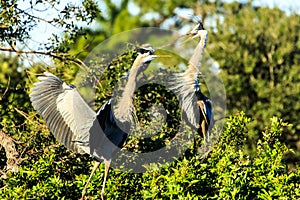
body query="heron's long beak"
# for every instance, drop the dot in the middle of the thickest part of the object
(162, 56)
(192, 34)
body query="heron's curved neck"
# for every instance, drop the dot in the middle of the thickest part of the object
(130, 86)
(124, 108)
(194, 62)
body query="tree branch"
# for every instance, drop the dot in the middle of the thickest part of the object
(31, 52)
(59, 56)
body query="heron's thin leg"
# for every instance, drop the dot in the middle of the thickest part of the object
(208, 137)
(104, 181)
(195, 147)
(96, 165)
(203, 129)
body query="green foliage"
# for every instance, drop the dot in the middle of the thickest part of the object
(13, 91)
(228, 172)
(264, 176)
(18, 19)
(258, 52)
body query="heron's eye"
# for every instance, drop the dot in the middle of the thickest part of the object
(72, 86)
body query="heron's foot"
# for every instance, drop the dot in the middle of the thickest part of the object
(204, 150)
(204, 155)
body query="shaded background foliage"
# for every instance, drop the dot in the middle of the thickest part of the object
(257, 51)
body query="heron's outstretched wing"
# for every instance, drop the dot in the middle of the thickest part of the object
(67, 115)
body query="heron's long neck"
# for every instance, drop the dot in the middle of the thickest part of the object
(127, 96)
(194, 62)
(185, 81)
(124, 108)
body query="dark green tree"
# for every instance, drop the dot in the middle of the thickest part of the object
(258, 52)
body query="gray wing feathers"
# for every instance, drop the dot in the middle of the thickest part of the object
(182, 85)
(66, 113)
(76, 112)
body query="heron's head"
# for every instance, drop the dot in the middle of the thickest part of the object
(144, 59)
(195, 32)
(145, 48)
(199, 26)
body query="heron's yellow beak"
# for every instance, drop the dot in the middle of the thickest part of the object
(162, 56)
(191, 35)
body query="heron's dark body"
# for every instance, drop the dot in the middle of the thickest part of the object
(109, 125)
(205, 108)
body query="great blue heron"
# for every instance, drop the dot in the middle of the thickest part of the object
(187, 86)
(79, 127)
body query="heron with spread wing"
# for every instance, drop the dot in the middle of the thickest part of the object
(77, 126)
(196, 107)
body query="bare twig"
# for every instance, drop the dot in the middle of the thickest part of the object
(35, 17)
(28, 117)
(59, 56)
(6, 89)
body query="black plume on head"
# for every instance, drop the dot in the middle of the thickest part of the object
(200, 26)
(146, 48)
(198, 20)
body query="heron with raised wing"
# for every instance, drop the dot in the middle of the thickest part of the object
(77, 126)
(197, 108)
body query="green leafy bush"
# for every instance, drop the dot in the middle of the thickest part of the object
(228, 172)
